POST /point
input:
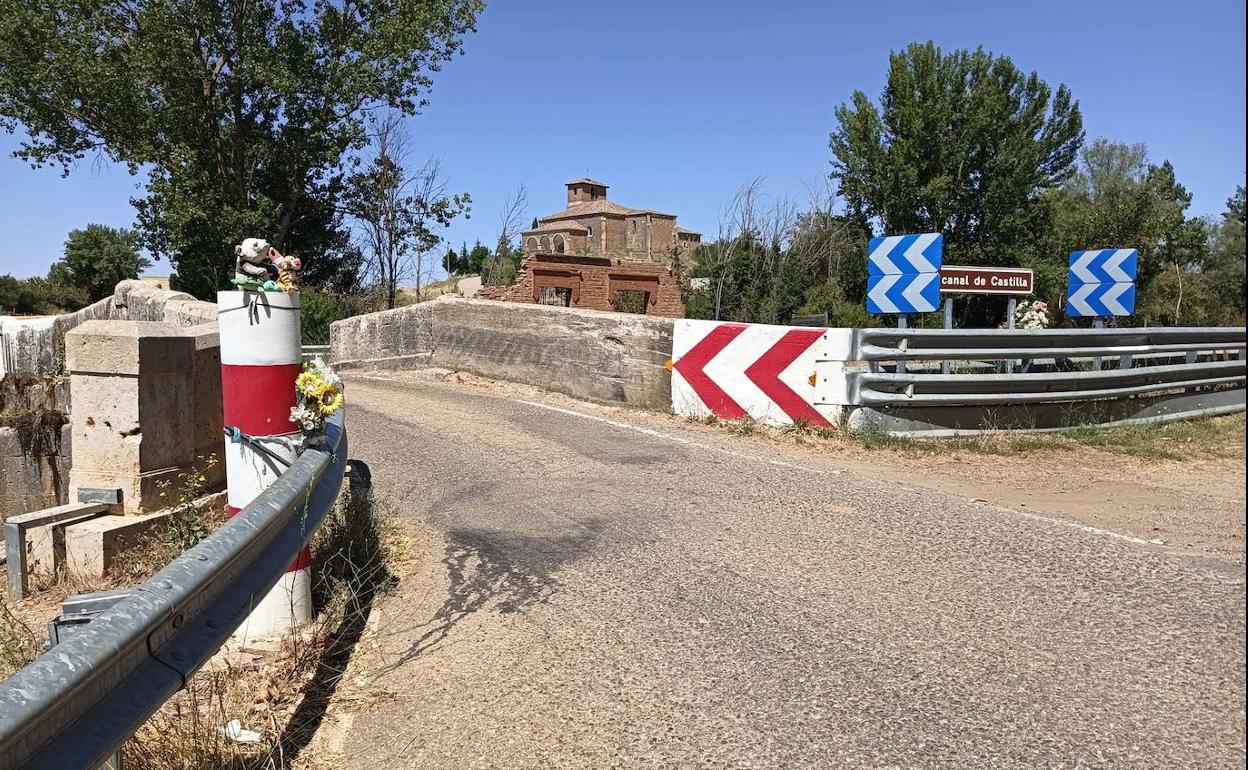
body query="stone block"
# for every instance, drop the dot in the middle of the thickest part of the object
(119, 347)
(92, 546)
(146, 406)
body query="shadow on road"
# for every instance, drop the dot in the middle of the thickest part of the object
(503, 571)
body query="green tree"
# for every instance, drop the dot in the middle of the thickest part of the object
(240, 113)
(96, 258)
(964, 144)
(450, 261)
(1188, 271)
(476, 258)
(24, 296)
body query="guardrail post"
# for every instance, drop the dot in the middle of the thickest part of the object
(902, 323)
(944, 365)
(260, 359)
(1011, 308)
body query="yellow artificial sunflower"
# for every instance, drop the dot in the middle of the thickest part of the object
(329, 399)
(308, 383)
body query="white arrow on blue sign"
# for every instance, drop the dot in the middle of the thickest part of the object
(1101, 282)
(901, 254)
(1098, 300)
(910, 293)
(903, 273)
(1103, 266)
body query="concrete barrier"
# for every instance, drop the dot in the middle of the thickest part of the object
(616, 358)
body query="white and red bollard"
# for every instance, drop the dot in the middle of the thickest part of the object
(259, 334)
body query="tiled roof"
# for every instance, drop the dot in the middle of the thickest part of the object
(591, 208)
(587, 180)
(594, 208)
(687, 231)
(562, 227)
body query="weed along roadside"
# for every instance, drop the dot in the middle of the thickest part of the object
(260, 706)
(199, 579)
(255, 705)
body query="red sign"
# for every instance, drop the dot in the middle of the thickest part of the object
(986, 280)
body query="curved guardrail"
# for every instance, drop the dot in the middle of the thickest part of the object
(79, 701)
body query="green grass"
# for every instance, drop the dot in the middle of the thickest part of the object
(1191, 439)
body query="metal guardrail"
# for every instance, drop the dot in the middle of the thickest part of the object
(938, 382)
(1146, 363)
(1002, 344)
(879, 389)
(309, 352)
(77, 703)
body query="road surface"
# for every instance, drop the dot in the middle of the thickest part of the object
(600, 589)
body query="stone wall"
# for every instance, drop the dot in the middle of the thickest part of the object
(36, 475)
(32, 480)
(614, 358)
(37, 345)
(34, 444)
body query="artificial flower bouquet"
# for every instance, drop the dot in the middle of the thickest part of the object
(1032, 315)
(318, 394)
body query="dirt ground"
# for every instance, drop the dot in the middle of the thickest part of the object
(1194, 504)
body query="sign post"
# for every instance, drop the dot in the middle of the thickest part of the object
(903, 276)
(1100, 283)
(944, 365)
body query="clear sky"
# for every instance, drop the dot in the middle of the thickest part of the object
(675, 104)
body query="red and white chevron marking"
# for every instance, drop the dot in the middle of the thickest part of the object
(259, 334)
(746, 371)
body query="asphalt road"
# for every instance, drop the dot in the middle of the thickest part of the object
(597, 593)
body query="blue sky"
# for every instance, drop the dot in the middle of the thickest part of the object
(675, 104)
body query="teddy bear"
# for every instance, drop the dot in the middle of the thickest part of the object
(287, 267)
(253, 265)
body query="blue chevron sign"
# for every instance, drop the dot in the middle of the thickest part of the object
(901, 254)
(1103, 266)
(909, 293)
(903, 273)
(1098, 300)
(1101, 282)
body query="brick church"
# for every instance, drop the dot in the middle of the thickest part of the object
(599, 255)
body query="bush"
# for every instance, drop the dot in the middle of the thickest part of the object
(320, 309)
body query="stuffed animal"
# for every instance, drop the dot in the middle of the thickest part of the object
(253, 265)
(287, 267)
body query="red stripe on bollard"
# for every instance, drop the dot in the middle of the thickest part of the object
(258, 399)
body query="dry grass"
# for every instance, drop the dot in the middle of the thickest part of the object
(283, 693)
(1215, 437)
(193, 516)
(19, 644)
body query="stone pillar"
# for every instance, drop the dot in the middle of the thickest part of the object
(141, 411)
